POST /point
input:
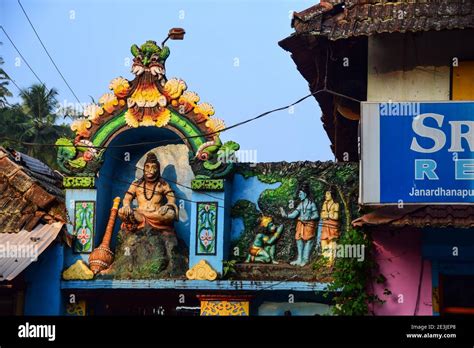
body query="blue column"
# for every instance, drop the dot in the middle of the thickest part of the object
(218, 211)
(73, 196)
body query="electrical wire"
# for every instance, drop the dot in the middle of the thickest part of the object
(115, 179)
(167, 179)
(22, 57)
(167, 141)
(49, 55)
(29, 67)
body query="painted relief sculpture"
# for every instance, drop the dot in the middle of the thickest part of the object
(330, 229)
(147, 244)
(264, 244)
(306, 214)
(149, 100)
(150, 192)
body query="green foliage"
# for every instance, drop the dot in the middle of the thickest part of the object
(351, 277)
(34, 121)
(229, 270)
(4, 92)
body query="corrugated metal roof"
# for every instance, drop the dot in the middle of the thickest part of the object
(19, 250)
(35, 165)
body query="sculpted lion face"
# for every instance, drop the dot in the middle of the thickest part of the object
(149, 58)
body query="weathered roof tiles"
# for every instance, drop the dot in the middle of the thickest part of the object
(340, 19)
(26, 199)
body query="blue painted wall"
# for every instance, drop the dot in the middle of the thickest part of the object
(43, 279)
(246, 189)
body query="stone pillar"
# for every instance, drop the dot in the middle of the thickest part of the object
(210, 227)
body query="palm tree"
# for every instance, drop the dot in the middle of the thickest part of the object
(40, 126)
(4, 92)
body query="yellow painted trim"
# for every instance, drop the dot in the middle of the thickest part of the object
(224, 308)
(463, 81)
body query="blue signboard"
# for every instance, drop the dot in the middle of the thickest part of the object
(417, 152)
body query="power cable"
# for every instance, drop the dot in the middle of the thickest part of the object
(22, 57)
(197, 136)
(167, 179)
(49, 55)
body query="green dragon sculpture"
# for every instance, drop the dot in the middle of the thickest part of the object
(214, 159)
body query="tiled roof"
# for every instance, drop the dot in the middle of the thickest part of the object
(29, 193)
(461, 216)
(342, 19)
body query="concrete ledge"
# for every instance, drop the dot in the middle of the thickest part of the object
(194, 285)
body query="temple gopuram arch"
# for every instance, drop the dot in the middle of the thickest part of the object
(148, 113)
(219, 231)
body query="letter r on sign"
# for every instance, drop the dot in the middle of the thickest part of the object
(425, 167)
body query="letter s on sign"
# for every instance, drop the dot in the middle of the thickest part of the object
(437, 135)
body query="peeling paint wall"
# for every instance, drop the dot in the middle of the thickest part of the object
(398, 254)
(395, 72)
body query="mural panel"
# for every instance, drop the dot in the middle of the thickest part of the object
(206, 229)
(291, 231)
(84, 216)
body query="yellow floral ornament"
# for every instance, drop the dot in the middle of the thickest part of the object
(204, 109)
(131, 120)
(174, 88)
(81, 126)
(164, 118)
(189, 98)
(201, 271)
(109, 102)
(215, 124)
(120, 86)
(93, 112)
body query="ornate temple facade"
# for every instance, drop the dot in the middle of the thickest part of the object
(160, 212)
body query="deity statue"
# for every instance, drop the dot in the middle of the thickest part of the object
(264, 244)
(306, 214)
(330, 226)
(155, 198)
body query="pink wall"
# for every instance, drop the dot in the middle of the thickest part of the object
(398, 254)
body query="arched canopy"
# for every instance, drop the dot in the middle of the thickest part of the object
(191, 135)
(149, 100)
